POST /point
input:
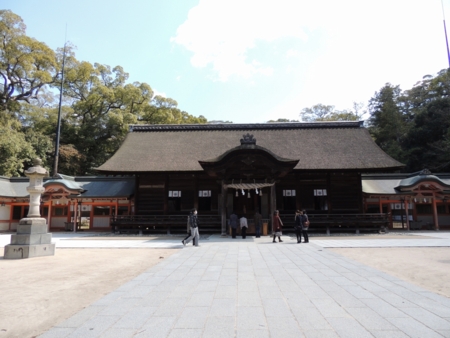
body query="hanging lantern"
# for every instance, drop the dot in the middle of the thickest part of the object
(257, 192)
(243, 192)
(248, 195)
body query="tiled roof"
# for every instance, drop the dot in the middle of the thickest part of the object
(318, 146)
(89, 187)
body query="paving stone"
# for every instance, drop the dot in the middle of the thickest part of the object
(256, 289)
(252, 318)
(156, 327)
(370, 319)
(249, 298)
(57, 332)
(348, 327)
(329, 308)
(413, 328)
(320, 334)
(226, 291)
(81, 317)
(427, 318)
(444, 333)
(388, 334)
(135, 318)
(118, 333)
(383, 308)
(95, 327)
(192, 318)
(246, 333)
(171, 307)
(223, 307)
(276, 307)
(186, 333)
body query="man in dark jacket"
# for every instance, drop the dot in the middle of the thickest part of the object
(193, 222)
(258, 221)
(234, 221)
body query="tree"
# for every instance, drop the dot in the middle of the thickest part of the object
(282, 120)
(387, 124)
(14, 150)
(26, 65)
(428, 140)
(321, 112)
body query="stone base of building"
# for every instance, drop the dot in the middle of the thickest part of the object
(31, 240)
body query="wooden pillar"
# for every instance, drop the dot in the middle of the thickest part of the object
(75, 215)
(407, 213)
(50, 211)
(166, 195)
(273, 203)
(380, 205)
(196, 192)
(224, 208)
(435, 214)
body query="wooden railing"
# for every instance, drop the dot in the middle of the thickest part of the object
(343, 222)
(158, 223)
(212, 223)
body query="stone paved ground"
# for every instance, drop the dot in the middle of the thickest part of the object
(255, 288)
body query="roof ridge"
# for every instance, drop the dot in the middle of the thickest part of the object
(246, 126)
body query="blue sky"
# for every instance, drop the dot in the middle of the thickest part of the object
(251, 60)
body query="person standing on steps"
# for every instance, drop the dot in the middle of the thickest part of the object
(233, 224)
(298, 225)
(305, 226)
(193, 222)
(244, 226)
(258, 220)
(277, 226)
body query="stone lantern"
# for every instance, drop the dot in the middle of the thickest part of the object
(32, 238)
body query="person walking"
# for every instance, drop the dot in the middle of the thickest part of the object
(193, 222)
(258, 222)
(244, 226)
(233, 224)
(298, 225)
(188, 231)
(305, 226)
(277, 226)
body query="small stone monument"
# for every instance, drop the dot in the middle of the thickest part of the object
(32, 238)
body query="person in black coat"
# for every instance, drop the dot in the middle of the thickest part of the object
(234, 221)
(298, 225)
(305, 226)
(193, 223)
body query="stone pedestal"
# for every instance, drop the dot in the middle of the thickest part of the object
(31, 240)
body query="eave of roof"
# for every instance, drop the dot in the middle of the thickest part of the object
(319, 146)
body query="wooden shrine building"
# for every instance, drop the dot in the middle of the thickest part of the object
(221, 168)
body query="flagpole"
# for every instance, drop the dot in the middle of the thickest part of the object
(445, 31)
(58, 127)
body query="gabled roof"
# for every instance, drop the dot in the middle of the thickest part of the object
(397, 184)
(319, 146)
(86, 187)
(14, 186)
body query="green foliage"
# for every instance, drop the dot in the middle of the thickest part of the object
(414, 126)
(99, 105)
(14, 150)
(282, 120)
(26, 65)
(321, 112)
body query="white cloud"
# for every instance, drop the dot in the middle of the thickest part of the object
(220, 33)
(233, 37)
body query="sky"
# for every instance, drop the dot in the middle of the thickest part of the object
(250, 61)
